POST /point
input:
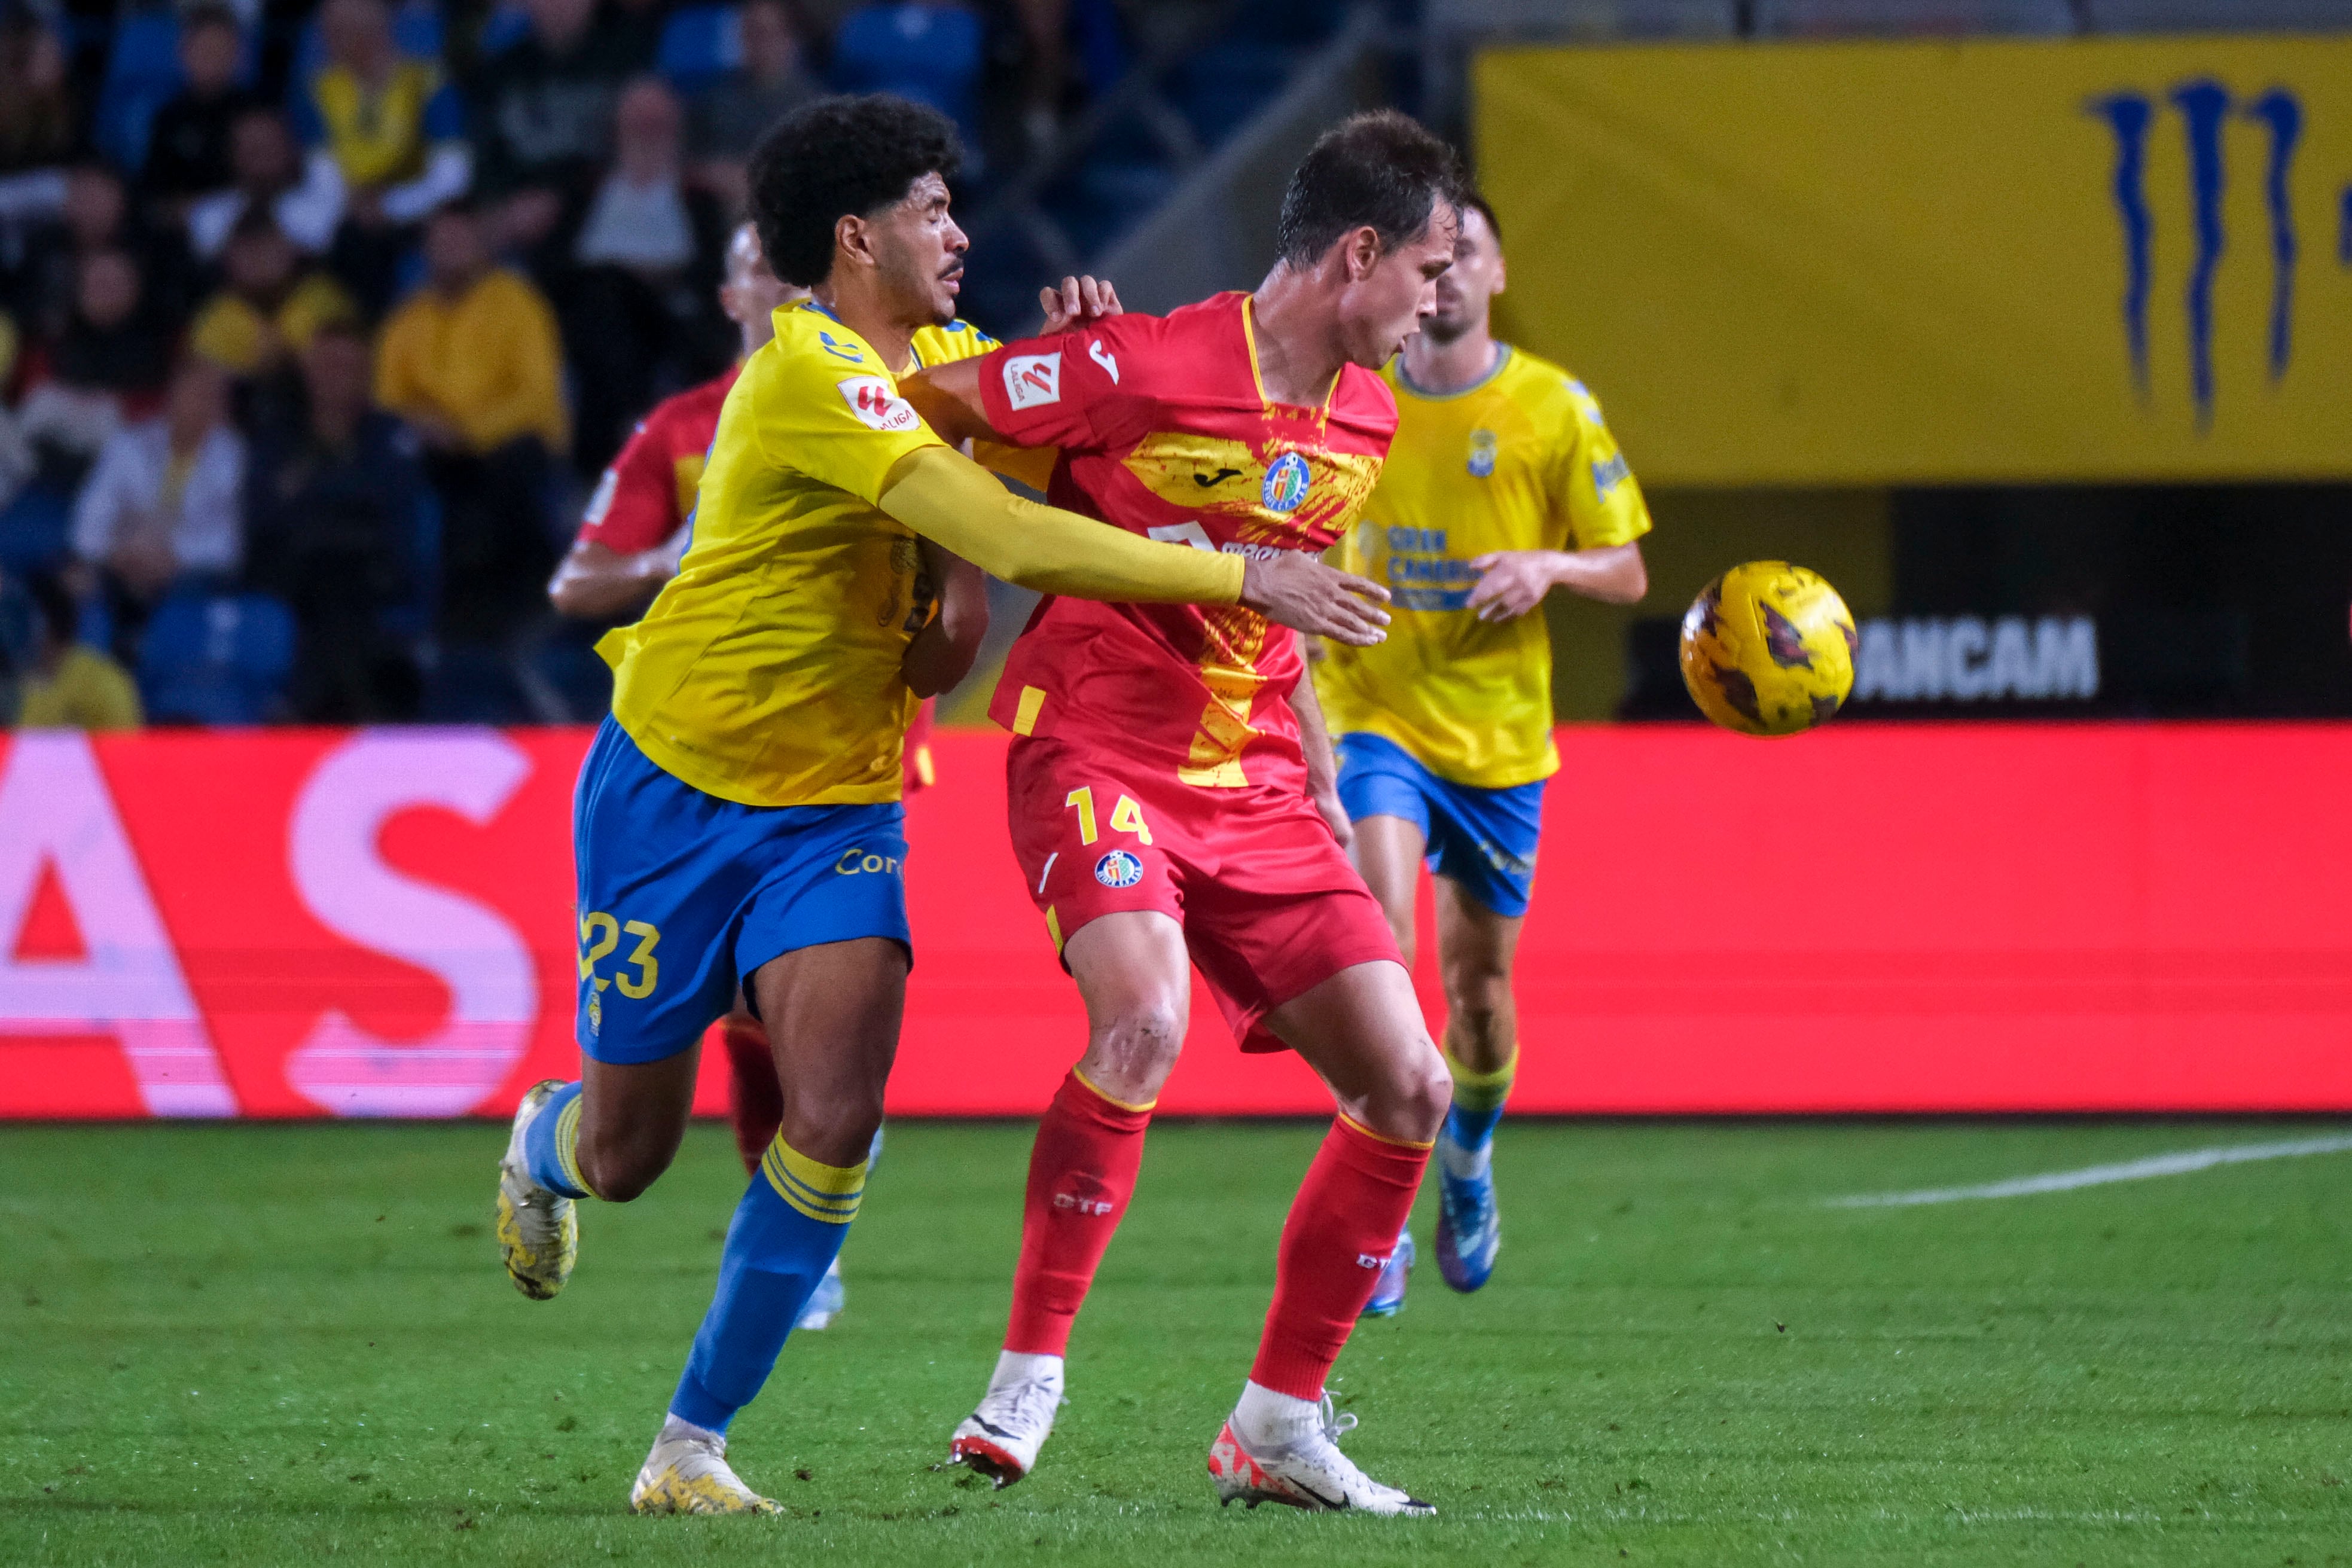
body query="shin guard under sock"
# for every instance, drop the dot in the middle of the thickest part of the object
(1081, 1173)
(785, 1234)
(1342, 1226)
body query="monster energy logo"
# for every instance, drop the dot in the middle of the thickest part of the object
(2205, 108)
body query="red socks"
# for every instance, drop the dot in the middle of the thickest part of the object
(1081, 1174)
(1342, 1226)
(756, 1108)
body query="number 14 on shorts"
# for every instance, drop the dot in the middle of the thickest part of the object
(1126, 816)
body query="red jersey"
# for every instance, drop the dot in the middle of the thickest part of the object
(1165, 431)
(649, 492)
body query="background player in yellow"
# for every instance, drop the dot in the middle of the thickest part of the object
(1502, 484)
(737, 821)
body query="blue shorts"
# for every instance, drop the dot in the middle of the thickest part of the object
(682, 895)
(1483, 839)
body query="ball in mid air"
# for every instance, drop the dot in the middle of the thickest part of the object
(1767, 649)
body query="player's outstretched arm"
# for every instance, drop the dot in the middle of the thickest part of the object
(597, 583)
(948, 497)
(948, 398)
(1513, 582)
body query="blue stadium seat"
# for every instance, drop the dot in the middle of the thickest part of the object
(1898, 18)
(2206, 16)
(142, 74)
(415, 28)
(932, 54)
(210, 657)
(699, 45)
(34, 529)
(503, 28)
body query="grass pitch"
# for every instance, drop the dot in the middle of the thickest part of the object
(294, 1343)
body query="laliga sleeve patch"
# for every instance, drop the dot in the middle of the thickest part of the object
(1032, 381)
(873, 402)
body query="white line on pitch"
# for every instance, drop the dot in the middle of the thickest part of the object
(2175, 1164)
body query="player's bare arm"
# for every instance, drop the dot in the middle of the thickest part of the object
(1322, 767)
(595, 581)
(943, 651)
(1292, 589)
(1513, 582)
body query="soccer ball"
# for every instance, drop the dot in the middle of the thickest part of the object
(1767, 649)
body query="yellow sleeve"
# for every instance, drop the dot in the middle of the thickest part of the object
(396, 383)
(1605, 503)
(1033, 465)
(531, 403)
(947, 498)
(836, 421)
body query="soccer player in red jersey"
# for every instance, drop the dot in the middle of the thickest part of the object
(1172, 791)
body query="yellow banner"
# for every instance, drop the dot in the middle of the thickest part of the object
(1908, 263)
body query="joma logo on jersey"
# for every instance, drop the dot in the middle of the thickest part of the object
(2205, 108)
(1032, 381)
(877, 404)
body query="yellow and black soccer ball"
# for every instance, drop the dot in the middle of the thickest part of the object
(1767, 649)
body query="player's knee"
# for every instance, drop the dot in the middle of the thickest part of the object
(1425, 1094)
(835, 1127)
(619, 1174)
(1478, 998)
(1143, 1041)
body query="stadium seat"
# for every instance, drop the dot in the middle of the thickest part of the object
(699, 45)
(503, 28)
(2204, 16)
(1817, 18)
(142, 74)
(34, 528)
(415, 28)
(929, 53)
(216, 658)
(465, 684)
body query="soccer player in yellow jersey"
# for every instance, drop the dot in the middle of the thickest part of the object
(737, 821)
(1502, 484)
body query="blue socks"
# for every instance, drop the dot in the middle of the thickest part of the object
(550, 1141)
(785, 1234)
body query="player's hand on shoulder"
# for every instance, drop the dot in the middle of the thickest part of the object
(1078, 301)
(1510, 582)
(1296, 590)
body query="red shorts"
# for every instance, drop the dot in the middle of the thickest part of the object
(1270, 906)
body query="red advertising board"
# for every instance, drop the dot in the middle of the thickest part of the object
(1870, 918)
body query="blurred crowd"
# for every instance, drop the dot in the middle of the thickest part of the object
(318, 321)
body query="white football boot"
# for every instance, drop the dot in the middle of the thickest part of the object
(687, 1473)
(1000, 1438)
(1306, 1470)
(539, 1233)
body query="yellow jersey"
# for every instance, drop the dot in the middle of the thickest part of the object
(767, 671)
(1519, 461)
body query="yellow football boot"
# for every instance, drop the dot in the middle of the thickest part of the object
(539, 1234)
(687, 1473)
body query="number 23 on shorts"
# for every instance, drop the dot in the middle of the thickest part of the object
(1126, 816)
(600, 934)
